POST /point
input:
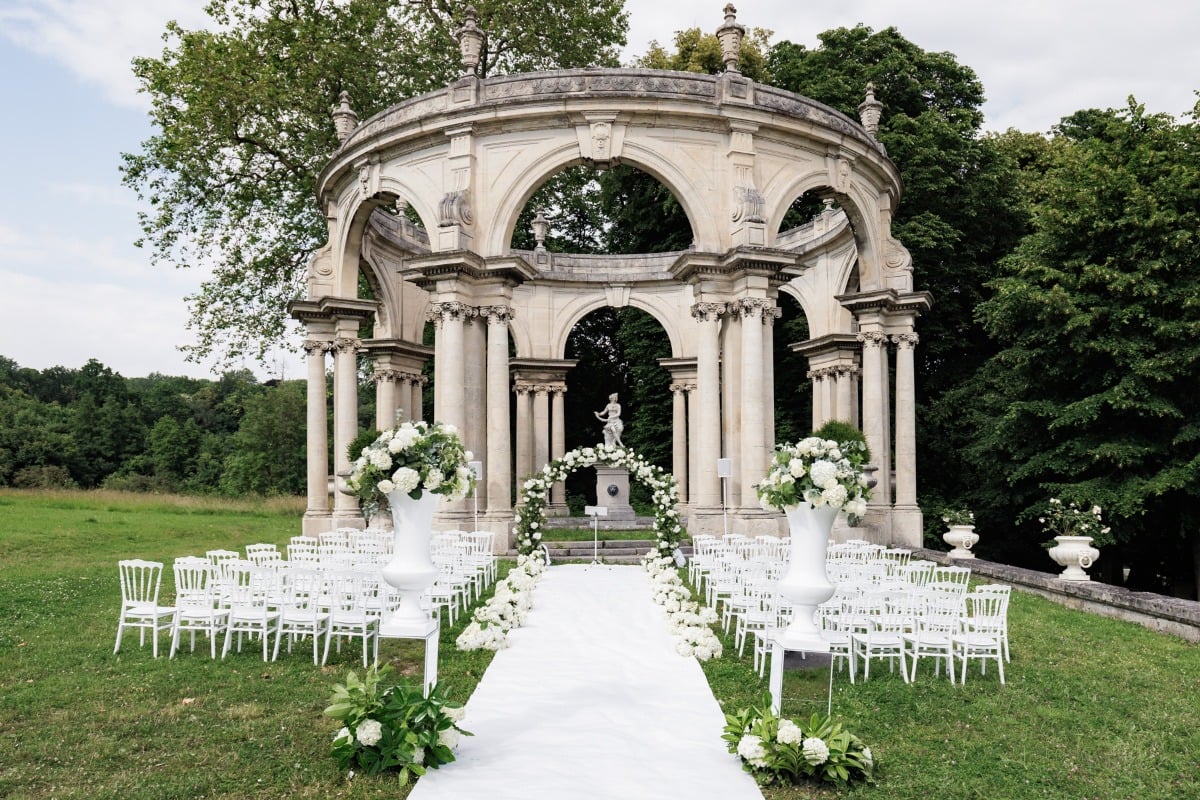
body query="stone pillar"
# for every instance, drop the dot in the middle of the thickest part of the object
(524, 432)
(541, 426)
(318, 430)
(769, 317)
(385, 398)
(474, 431)
(752, 456)
(693, 447)
(845, 398)
(906, 420)
(416, 410)
(707, 436)
(817, 377)
(345, 421)
(498, 468)
(450, 363)
(558, 447)
(875, 417)
(731, 400)
(679, 438)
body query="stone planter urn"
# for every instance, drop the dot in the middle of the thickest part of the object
(1076, 554)
(962, 538)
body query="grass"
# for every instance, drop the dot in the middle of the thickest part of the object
(1093, 708)
(552, 535)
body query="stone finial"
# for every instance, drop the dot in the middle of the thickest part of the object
(470, 41)
(344, 118)
(870, 110)
(731, 34)
(540, 227)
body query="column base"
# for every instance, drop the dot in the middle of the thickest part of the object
(908, 526)
(316, 522)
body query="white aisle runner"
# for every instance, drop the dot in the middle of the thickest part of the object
(591, 702)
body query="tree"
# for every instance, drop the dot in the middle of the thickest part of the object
(268, 453)
(1092, 397)
(961, 212)
(243, 125)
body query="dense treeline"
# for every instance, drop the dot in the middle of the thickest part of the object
(91, 427)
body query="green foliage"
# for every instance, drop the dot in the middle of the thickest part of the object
(696, 51)
(1092, 396)
(242, 126)
(393, 726)
(270, 447)
(841, 432)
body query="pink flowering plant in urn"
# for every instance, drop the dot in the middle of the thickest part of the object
(412, 458)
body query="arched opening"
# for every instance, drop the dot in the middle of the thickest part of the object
(793, 390)
(617, 350)
(618, 211)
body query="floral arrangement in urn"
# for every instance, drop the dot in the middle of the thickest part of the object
(820, 472)
(958, 516)
(780, 751)
(393, 727)
(1068, 519)
(413, 458)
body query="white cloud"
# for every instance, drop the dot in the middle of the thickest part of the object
(97, 39)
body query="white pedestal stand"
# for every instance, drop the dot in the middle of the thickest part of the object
(595, 512)
(429, 633)
(775, 684)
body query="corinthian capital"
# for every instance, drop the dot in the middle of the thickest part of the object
(343, 344)
(452, 310)
(496, 315)
(906, 340)
(707, 312)
(873, 338)
(314, 347)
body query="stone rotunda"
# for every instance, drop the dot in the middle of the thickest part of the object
(736, 154)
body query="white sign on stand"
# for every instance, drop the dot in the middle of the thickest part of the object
(724, 472)
(477, 470)
(595, 512)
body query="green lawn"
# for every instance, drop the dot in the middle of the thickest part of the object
(1093, 708)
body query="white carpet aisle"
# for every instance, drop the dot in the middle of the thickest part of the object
(591, 701)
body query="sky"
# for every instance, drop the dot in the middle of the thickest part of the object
(74, 287)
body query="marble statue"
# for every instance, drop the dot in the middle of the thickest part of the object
(611, 416)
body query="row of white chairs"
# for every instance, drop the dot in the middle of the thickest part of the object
(886, 605)
(337, 593)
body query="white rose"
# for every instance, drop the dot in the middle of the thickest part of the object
(386, 486)
(796, 468)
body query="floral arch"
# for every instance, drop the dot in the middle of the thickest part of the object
(531, 514)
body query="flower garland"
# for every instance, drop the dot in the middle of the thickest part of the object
(531, 514)
(779, 751)
(506, 608)
(691, 623)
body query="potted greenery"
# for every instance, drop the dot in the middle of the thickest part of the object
(1075, 530)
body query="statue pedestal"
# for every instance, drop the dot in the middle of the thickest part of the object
(612, 491)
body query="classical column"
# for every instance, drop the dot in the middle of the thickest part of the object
(416, 410)
(688, 493)
(845, 398)
(345, 416)
(906, 420)
(874, 386)
(752, 398)
(385, 398)
(707, 436)
(498, 466)
(731, 400)
(524, 432)
(769, 317)
(318, 429)
(679, 449)
(450, 363)
(541, 426)
(818, 396)
(474, 429)
(558, 442)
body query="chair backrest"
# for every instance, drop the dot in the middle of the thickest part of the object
(216, 557)
(193, 582)
(140, 581)
(991, 608)
(302, 539)
(246, 584)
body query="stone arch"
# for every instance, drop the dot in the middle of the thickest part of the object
(521, 188)
(570, 315)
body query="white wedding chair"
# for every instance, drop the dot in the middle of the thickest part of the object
(197, 607)
(250, 589)
(978, 640)
(937, 623)
(140, 584)
(997, 624)
(300, 614)
(349, 615)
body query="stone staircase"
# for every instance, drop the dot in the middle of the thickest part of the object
(608, 551)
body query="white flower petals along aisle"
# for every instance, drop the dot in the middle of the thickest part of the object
(507, 607)
(691, 623)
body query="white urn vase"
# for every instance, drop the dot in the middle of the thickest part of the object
(805, 584)
(962, 538)
(411, 570)
(1076, 554)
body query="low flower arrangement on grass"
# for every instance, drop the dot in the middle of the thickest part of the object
(507, 607)
(393, 726)
(779, 751)
(691, 623)
(535, 491)
(413, 457)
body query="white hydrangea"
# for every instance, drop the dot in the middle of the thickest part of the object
(434, 479)
(386, 486)
(815, 751)
(823, 473)
(751, 748)
(378, 458)
(406, 479)
(789, 732)
(370, 732)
